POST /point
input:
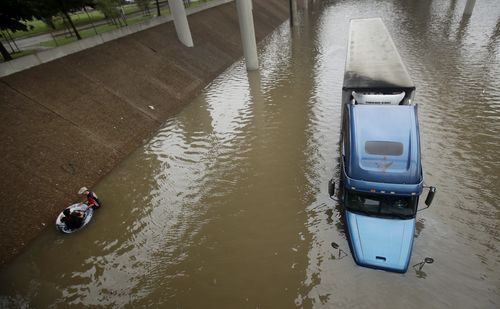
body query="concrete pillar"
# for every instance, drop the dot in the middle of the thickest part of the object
(469, 6)
(181, 22)
(247, 30)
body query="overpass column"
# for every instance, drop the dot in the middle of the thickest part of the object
(247, 30)
(181, 22)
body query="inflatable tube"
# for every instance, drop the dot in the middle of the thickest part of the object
(86, 219)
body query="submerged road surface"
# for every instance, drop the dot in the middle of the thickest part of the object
(227, 206)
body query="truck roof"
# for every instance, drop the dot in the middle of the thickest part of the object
(384, 145)
(373, 61)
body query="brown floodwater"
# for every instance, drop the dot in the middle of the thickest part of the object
(227, 205)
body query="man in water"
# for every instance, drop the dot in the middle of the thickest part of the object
(92, 200)
(73, 220)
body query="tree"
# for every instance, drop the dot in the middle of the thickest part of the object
(144, 6)
(13, 17)
(46, 9)
(110, 9)
(158, 8)
(14, 14)
(65, 6)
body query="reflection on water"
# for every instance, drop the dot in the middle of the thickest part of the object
(227, 206)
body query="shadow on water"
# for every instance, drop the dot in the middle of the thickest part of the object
(462, 27)
(419, 226)
(339, 208)
(494, 40)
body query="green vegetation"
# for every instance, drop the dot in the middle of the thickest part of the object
(61, 40)
(37, 26)
(106, 15)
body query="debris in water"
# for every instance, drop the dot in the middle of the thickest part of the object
(341, 254)
(427, 260)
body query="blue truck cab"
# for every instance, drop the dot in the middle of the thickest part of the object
(381, 172)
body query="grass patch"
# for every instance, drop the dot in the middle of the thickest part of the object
(92, 17)
(78, 19)
(130, 8)
(86, 18)
(61, 40)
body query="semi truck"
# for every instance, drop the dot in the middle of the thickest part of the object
(381, 176)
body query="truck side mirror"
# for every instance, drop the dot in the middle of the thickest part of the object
(331, 188)
(430, 196)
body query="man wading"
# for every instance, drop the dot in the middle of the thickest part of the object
(92, 200)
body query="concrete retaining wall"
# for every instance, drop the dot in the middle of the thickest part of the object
(68, 122)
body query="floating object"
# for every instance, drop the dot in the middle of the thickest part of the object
(341, 254)
(88, 212)
(427, 260)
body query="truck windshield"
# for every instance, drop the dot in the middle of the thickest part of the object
(381, 205)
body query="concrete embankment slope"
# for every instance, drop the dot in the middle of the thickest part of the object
(68, 122)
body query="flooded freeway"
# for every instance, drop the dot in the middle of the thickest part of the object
(227, 205)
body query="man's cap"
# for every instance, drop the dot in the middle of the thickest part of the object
(82, 190)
